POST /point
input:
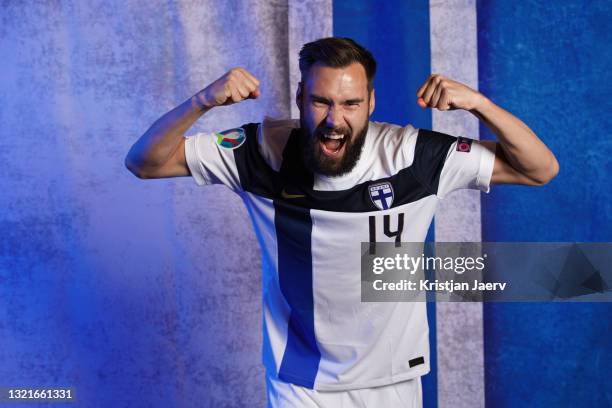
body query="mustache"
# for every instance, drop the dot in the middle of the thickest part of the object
(322, 129)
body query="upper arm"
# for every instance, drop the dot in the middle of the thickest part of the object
(503, 172)
(176, 166)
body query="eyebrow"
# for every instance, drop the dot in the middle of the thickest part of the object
(318, 98)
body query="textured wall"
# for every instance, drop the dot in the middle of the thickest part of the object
(146, 293)
(135, 293)
(548, 62)
(454, 53)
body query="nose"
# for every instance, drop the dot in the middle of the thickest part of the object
(334, 117)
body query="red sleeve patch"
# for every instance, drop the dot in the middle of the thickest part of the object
(464, 144)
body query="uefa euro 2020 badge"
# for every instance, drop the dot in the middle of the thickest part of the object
(231, 138)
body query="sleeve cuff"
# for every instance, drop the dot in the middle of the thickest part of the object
(193, 162)
(485, 171)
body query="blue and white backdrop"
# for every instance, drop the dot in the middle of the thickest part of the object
(147, 293)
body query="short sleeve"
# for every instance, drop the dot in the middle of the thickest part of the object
(445, 163)
(211, 157)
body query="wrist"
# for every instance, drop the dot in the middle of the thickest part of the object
(481, 104)
(199, 102)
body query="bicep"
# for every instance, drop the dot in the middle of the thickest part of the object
(503, 172)
(176, 166)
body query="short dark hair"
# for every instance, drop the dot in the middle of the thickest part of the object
(337, 52)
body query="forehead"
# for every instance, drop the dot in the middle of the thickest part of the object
(349, 81)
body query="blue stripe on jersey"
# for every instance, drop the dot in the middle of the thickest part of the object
(293, 231)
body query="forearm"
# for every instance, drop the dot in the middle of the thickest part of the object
(522, 148)
(161, 140)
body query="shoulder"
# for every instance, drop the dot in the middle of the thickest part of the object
(272, 137)
(432, 146)
(392, 143)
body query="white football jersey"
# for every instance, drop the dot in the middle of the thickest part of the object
(317, 332)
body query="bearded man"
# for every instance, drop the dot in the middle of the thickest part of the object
(315, 189)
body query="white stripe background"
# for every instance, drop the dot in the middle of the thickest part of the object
(459, 326)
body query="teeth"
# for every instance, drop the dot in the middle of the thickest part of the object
(333, 136)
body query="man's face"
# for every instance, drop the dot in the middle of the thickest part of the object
(335, 107)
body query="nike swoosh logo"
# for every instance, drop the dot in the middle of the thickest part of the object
(284, 194)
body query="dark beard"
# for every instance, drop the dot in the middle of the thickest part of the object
(316, 161)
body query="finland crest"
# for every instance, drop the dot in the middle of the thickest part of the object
(231, 138)
(381, 195)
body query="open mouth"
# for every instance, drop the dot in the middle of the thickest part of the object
(332, 143)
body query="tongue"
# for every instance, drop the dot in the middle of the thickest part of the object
(331, 144)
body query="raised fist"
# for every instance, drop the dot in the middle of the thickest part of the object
(234, 86)
(444, 94)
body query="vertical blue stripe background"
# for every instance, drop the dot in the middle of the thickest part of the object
(549, 63)
(397, 33)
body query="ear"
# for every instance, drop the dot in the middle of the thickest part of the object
(298, 96)
(372, 101)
